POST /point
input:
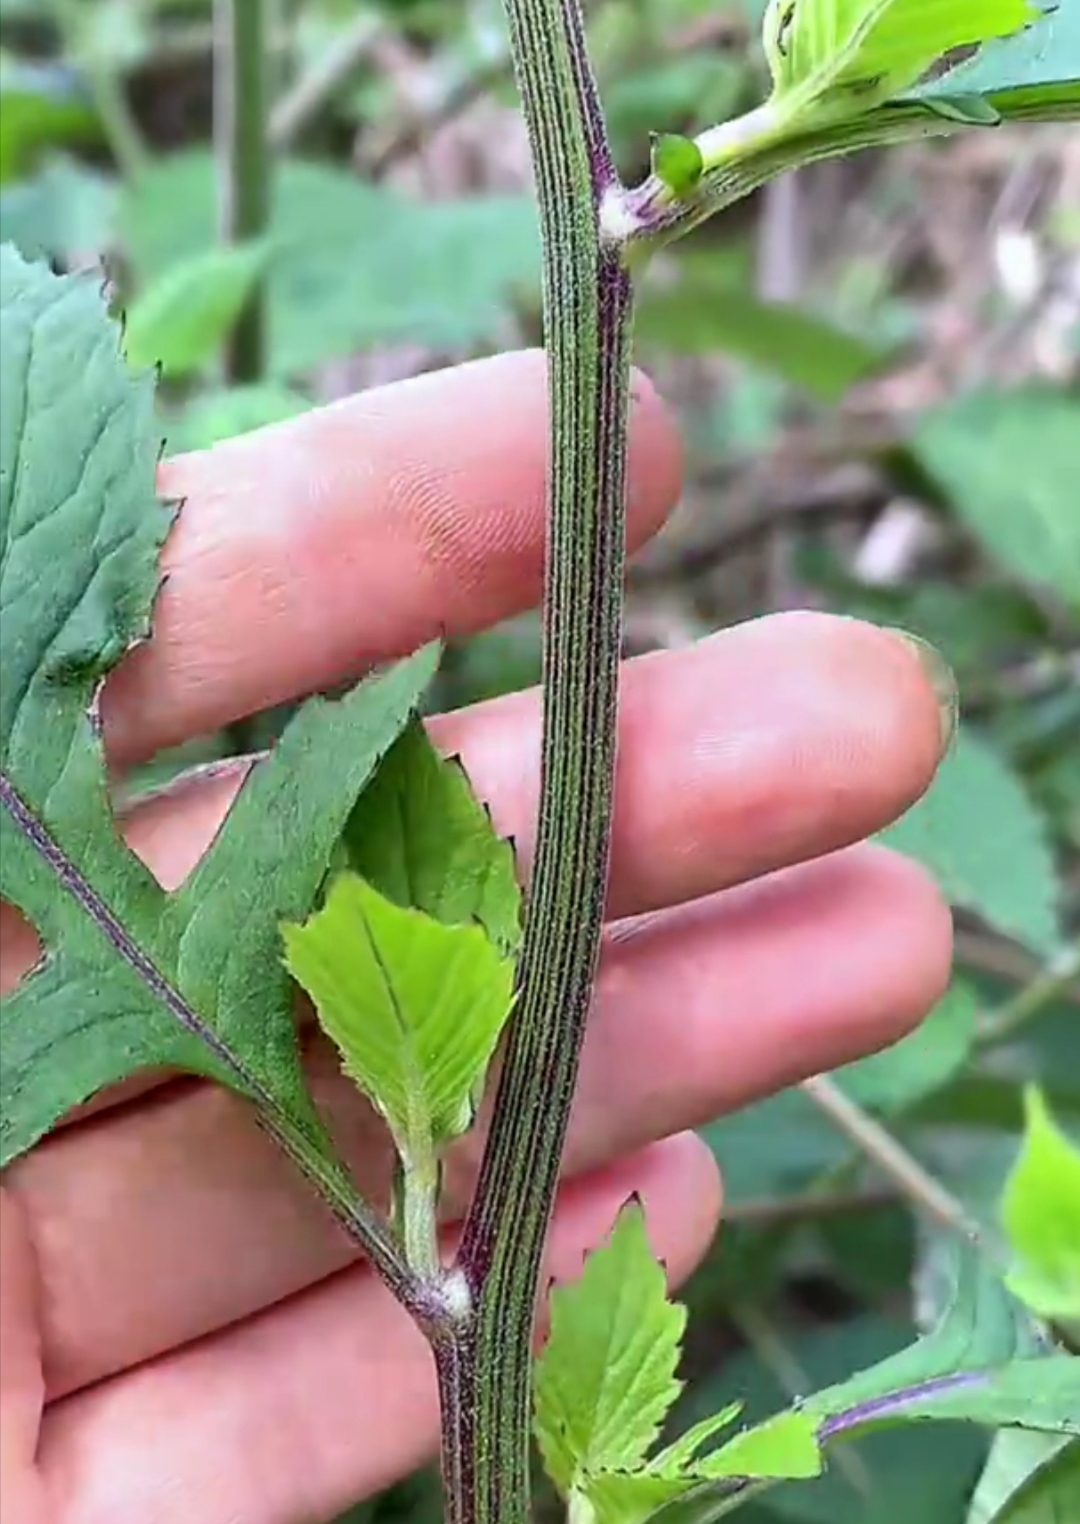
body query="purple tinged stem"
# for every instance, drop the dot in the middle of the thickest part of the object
(895, 1404)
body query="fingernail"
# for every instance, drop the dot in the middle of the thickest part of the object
(942, 681)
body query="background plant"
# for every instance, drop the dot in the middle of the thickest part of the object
(954, 517)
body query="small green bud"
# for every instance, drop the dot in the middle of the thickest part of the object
(677, 162)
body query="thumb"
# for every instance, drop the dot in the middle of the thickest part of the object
(22, 1383)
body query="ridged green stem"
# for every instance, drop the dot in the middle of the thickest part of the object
(485, 1372)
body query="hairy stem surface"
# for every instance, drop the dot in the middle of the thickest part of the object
(485, 1381)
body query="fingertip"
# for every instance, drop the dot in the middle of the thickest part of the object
(919, 918)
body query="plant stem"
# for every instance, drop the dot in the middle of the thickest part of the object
(750, 150)
(301, 106)
(587, 304)
(243, 157)
(1008, 1021)
(108, 91)
(926, 1194)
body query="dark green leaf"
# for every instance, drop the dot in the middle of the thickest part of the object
(703, 311)
(1029, 1479)
(1006, 875)
(903, 1075)
(133, 976)
(66, 210)
(1006, 460)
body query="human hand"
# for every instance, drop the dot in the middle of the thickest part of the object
(186, 1335)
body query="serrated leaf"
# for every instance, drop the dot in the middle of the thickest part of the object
(1003, 459)
(180, 320)
(781, 1447)
(606, 1378)
(922, 1474)
(422, 838)
(848, 55)
(983, 1364)
(133, 977)
(683, 1451)
(1006, 875)
(415, 1008)
(1029, 1479)
(1040, 1212)
(623, 1497)
(934, 1054)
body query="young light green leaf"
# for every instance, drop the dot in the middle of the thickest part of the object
(606, 1378)
(844, 56)
(934, 1054)
(1040, 1213)
(1007, 875)
(415, 1008)
(783, 1448)
(1028, 1479)
(683, 1451)
(1038, 69)
(133, 977)
(180, 321)
(1003, 461)
(422, 838)
(41, 105)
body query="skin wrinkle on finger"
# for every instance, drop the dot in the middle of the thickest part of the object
(242, 1428)
(306, 552)
(135, 1217)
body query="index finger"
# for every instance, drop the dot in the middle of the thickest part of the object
(308, 551)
